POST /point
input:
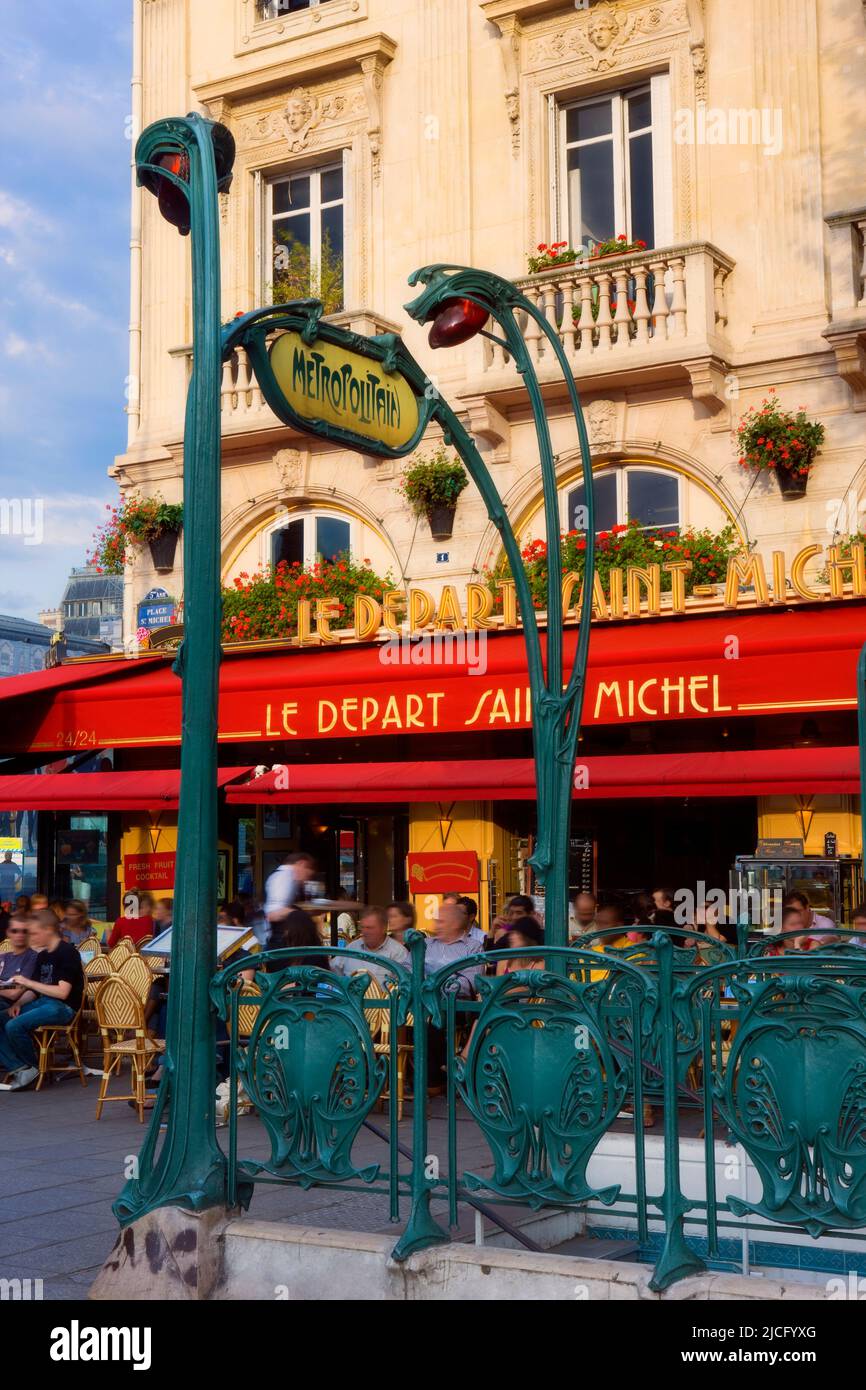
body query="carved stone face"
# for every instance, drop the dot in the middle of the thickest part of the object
(298, 113)
(602, 30)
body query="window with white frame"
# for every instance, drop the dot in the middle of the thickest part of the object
(272, 9)
(613, 165)
(312, 537)
(648, 495)
(306, 225)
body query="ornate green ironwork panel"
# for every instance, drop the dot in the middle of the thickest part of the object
(312, 1073)
(543, 1085)
(793, 1091)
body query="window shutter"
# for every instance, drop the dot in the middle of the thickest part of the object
(663, 184)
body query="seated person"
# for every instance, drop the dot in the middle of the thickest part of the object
(19, 961)
(76, 925)
(51, 995)
(524, 934)
(375, 939)
(858, 924)
(475, 932)
(401, 918)
(450, 943)
(136, 924)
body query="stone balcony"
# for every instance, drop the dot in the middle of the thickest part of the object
(244, 410)
(622, 320)
(846, 331)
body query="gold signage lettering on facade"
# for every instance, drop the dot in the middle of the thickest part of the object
(838, 566)
(801, 560)
(650, 578)
(780, 587)
(393, 609)
(632, 593)
(479, 607)
(368, 617)
(746, 570)
(421, 609)
(449, 618)
(678, 569)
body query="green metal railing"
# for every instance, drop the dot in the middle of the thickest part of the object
(770, 1051)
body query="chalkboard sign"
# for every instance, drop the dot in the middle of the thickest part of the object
(779, 849)
(581, 864)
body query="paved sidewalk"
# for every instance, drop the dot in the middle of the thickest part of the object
(62, 1170)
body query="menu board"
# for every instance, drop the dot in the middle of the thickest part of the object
(581, 864)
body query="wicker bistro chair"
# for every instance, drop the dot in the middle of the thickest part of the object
(5, 944)
(50, 1037)
(120, 1015)
(118, 954)
(91, 946)
(247, 1015)
(138, 974)
(379, 1021)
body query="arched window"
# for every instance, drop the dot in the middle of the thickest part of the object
(648, 495)
(310, 537)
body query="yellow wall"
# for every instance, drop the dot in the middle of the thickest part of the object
(778, 818)
(472, 828)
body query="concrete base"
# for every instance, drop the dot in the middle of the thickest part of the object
(269, 1260)
(169, 1255)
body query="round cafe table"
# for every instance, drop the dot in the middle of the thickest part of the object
(321, 907)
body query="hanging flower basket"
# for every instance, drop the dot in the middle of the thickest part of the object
(138, 521)
(163, 547)
(432, 486)
(780, 441)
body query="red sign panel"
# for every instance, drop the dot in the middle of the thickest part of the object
(153, 873)
(451, 871)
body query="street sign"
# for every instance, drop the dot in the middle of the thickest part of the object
(156, 610)
(326, 383)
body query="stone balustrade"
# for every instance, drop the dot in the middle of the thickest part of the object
(625, 306)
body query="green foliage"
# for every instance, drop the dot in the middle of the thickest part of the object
(708, 553)
(436, 480)
(770, 438)
(136, 521)
(549, 257)
(265, 604)
(295, 277)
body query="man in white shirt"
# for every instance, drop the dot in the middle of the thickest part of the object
(373, 928)
(284, 886)
(451, 943)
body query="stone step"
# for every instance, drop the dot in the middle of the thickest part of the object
(588, 1248)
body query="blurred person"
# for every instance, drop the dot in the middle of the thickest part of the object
(19, 961)
(51, 995)
(401, 918)
(10, 875)
(526, 934)
(23, 903)
(811, 920)
(450, 943)
(75, 926)
(286, 885)
(135, 926)
(582, 915)
(475, 931)
(373, 925)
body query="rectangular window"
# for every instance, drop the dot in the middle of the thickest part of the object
(305, 215)
(272, 9)
(612, 167)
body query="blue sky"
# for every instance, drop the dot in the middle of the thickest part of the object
(64, 282)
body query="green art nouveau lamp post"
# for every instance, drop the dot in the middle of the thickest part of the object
(186, 163)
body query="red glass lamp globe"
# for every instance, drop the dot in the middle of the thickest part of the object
(173, 203)
(457, 321)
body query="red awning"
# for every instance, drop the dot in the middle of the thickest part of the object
(758, 772)
(788, 660)
(100, 791)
